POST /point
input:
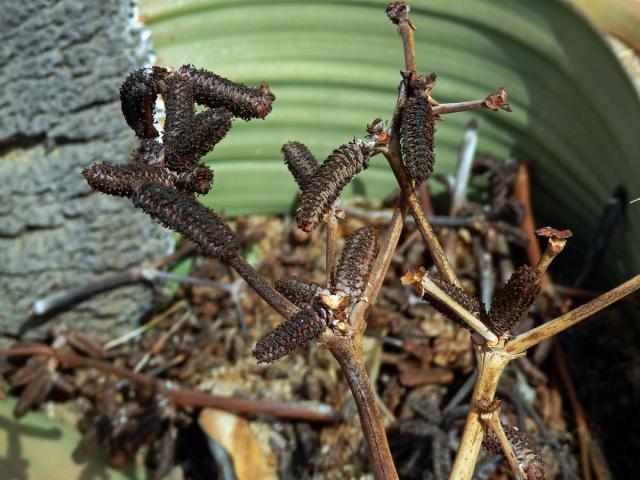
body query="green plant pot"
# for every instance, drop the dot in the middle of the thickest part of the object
(334, 67)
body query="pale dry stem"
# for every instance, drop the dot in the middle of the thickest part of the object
(554, 247)
(331, 224)
(429, 286)
(492, 421)
(491, 364)
(526, 340)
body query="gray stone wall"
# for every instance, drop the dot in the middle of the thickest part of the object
(61, 65)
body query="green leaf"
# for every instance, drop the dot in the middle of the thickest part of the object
(334, 67)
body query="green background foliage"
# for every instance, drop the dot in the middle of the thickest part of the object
(334, 66)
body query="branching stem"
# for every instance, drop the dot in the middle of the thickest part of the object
(491, 364)
(428, 285)
(492, 421)
(526, 340)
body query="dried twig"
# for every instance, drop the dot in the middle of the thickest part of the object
(526, 340)
(310, 411)
(493, 101)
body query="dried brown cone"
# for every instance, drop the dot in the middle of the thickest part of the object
(523, 447)
(215, 91)
(416, 134)
(205, 131)
(289, 336)
(197, 180)
(512, 301)
(180, 113)
(137, 98)
(29, 371)
(34, 393)
(184, 214)
(298, 291)
(356, 261)
(460, 296)
(300, 161)
(344, 163)
(118, 180)
(150, 152)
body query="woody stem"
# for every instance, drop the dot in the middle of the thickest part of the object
(279, 303)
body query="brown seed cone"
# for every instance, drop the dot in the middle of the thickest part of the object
(215, 91)
(118, 180)
(416, 134)
(512, 301)
(180, 113)
(344, 163)
(34, 393)
(289, 336)
(137, 98)
(29, 371)
(356, 261)
(197, 180)
(300, 162)
(150, 152)
(200, 136)
(298, 291)
(184, 214)
(461, 296)
(525, 450)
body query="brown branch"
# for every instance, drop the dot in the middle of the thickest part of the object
(526, 340)
(493, 101)
(279, 303)
(310, 411)
(348, 352)
(398, 13)
(528, 225)
(331, 223)
(557, 242)
(491, 364)
(419, 278)
(584, 436)
(492, 420)
(434, 247)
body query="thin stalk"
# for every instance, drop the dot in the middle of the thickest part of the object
(428, 285)
(492, 421)
(143, 328)
(311, 411)
(435, 249)
(394, 156)
(523, 194)
(279, 303)
(444, 108)
(406, 30)
(554, 247)
(491, 364)
(584, 435)
(524, 341)
(493, 101)
(466, 156)
(331, 223)
(348, 352)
